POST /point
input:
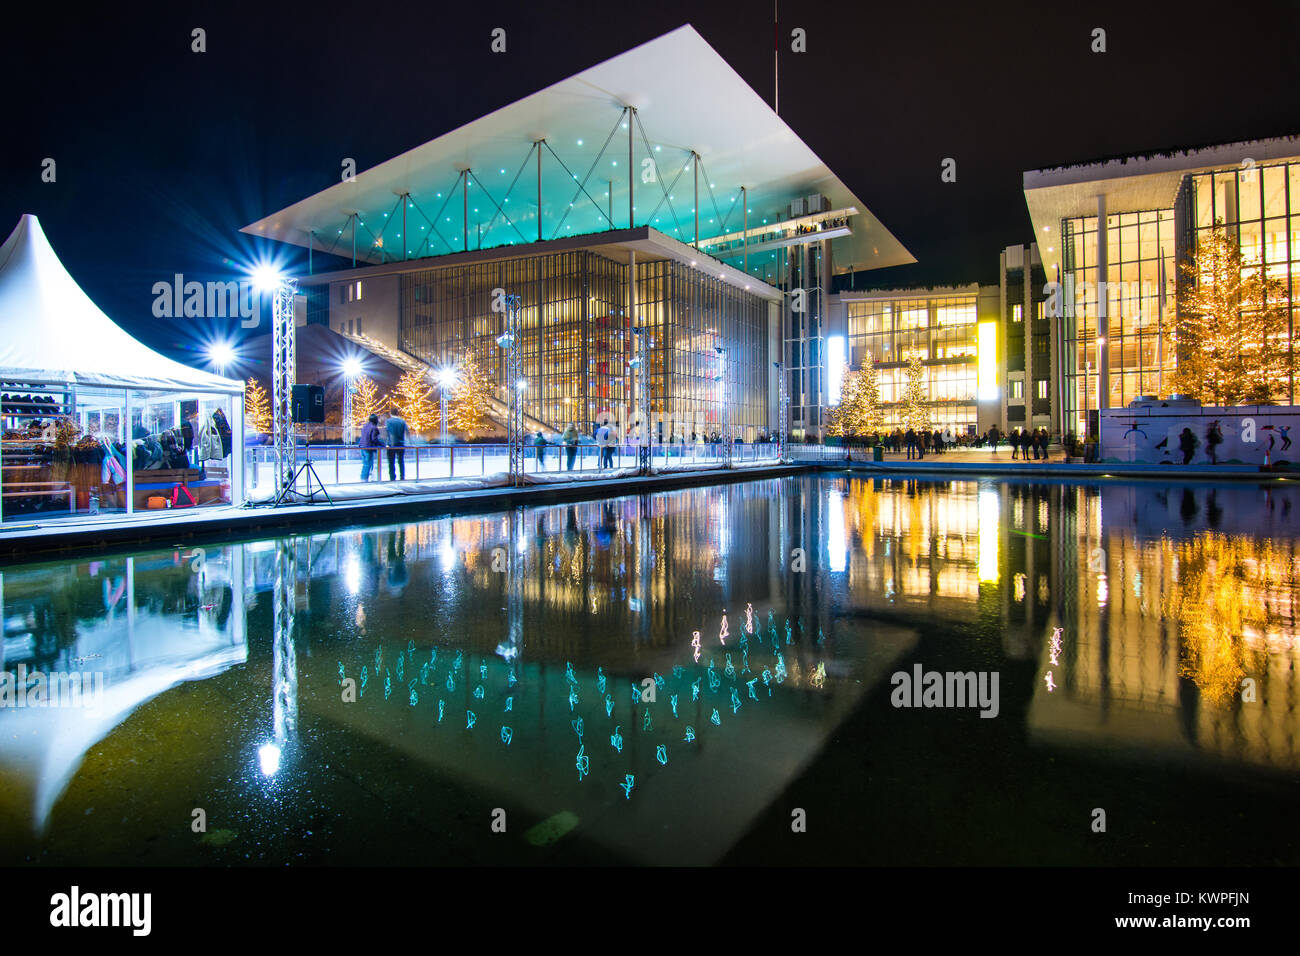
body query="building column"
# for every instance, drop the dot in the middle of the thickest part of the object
(1028, 318)
(1103, 321)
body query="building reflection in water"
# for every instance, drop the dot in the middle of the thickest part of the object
(1167, 600)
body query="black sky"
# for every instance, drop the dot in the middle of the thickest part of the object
(164, 154)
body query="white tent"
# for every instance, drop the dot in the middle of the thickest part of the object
(52, 333)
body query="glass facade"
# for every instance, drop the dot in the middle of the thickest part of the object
(1260, 207)
(577, 345)
(942, 330)
(1138, 335)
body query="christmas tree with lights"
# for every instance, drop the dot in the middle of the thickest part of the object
(367, 400)
(257, 406)
(413, 398)
(470, 399)
(915, 414)
(1231, 328)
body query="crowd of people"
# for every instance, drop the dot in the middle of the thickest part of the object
(917, 443)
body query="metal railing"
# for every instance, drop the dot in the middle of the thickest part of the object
(343, 464)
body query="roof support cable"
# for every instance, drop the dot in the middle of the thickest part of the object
(502, 212)
(433, 223)
(582, 186)
(658, 176)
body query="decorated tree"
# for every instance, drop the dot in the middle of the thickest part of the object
(858, 412)
(257, 406)
(414, 399)
(1231, 327)
(867, 397)
(839, 421)
(915, 414)
(470, 399)
(367, 400)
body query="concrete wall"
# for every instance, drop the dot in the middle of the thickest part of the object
(378, 309)
(1249, 432)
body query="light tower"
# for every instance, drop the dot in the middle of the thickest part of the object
(782, 410)
(284, 363)
(721, 377)
(515, 385)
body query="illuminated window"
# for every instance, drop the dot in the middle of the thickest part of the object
(1040, 388)
(1018, 389)
(1017, 313)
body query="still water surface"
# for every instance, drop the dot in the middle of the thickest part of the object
(401, 693)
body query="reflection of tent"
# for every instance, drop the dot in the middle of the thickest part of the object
(52, 333)
(139, 655)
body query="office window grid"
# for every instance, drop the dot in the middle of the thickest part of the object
(942, 330)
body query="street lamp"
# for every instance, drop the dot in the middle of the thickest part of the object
(351, 372)
(221, 355)
(507, 340)
(446, 380)
(721, 377)
(1101, 345)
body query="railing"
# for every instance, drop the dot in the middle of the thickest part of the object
(343, 464)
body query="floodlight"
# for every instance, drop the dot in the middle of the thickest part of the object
(267, 278)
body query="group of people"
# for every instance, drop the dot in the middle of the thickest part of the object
(1025, 441)
(392, 438)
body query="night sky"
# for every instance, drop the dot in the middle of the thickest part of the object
(163, 154)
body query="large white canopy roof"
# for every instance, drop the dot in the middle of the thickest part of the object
(52, 333)
(687, 97)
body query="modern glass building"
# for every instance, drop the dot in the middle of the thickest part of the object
(578, 345)
(939, 326)
(1119, 285)
(683, 206)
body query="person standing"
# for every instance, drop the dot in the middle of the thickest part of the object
(369, 442)
(603, 443)
(1187, 444)
(539, 442)
(570, 438)
(1214, 438)
(395, 428)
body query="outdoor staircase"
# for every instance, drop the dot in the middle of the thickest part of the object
(497, 410)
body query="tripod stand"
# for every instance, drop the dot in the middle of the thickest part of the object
(307, 467)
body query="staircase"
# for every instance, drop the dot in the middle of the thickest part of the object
(498, 410)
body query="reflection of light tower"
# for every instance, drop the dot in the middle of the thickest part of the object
(783, 410)
(284, 662)
(721, 377)
(446, 380)
(515, 384)
(283, 371)
(351, 370)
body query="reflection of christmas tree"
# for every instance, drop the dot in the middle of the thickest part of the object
(367, 401)
(468, 404)
(1231, 327)
(412, 396)
(915, 414)
(257, 406)
(1225, 600)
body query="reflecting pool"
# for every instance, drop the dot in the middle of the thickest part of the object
(711, 675)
